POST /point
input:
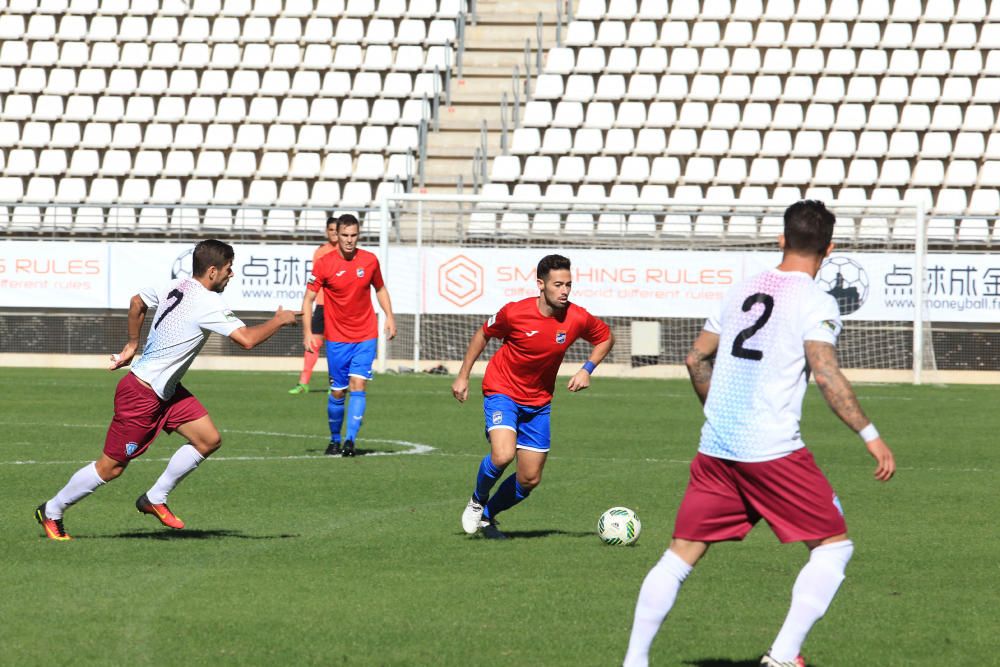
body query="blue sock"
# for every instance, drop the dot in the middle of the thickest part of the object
(335, 415)
(355, 413)
(509, 494)
(487, 477)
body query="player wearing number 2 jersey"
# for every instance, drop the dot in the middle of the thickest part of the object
(150, 398)
(518, 386)
(750, 366)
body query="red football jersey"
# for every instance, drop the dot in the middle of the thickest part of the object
(348, 316)
(321, 252)
(525, 366)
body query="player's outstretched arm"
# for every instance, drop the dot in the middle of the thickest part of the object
(382, 295)
(460, 387)
(137, 309)
(308, 341)
(840, 396)
(250, 337)
(581, 379)
(700, 360)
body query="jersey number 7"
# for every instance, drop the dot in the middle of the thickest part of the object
(176, 294)
(743, 336)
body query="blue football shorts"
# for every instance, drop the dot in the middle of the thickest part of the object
(347, 360)
(530, 422)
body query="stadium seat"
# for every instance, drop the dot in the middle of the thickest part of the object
(984, 202)
(537, 169)
(568, 114)
(569, 170)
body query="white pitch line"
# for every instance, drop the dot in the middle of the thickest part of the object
(411, 447)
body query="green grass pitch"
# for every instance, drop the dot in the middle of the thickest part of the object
(290, 558)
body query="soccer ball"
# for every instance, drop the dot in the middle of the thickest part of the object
(619, 525)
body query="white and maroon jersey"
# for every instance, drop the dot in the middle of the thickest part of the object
(759, 379)
(186, 312)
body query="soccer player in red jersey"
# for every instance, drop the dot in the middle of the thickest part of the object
(749, 367)
(518, 386)
(150, 397)
(346, 277)
(311, 355)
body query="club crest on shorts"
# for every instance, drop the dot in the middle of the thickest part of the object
(497, 418)
(361, 273)
(130, 448)
(560, 337)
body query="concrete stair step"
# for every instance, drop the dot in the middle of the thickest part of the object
(442, 189)
(449, 166)
(470, 116)
(458, 143)
(480, 85)
(517, 11)
(494, 46)
(500, 36)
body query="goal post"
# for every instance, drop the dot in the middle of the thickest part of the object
(652, 269)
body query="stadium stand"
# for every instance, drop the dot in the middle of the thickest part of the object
(842, 99)
(218, 104)
(210, 103)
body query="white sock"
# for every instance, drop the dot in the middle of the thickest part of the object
(656, 597)
(83, 483)
(812, 594)
(181, 463)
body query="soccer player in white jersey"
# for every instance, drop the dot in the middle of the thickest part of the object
(749, 367)
(150, 398)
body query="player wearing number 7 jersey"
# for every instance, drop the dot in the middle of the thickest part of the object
(749, 367)
(150, 398)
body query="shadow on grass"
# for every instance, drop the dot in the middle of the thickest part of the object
(190, 535)
(357, 452)
(529, 534)
(723, 662)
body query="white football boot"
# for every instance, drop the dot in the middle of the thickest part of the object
(471, 516)
(768, 661)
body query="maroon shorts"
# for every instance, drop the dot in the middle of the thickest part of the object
(140, 415)
(724, 499)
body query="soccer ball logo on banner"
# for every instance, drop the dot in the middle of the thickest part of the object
(182, 265)
(846, 281)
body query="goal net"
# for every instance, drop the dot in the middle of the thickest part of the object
(653, 271)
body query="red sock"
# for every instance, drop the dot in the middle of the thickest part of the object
(307, 366)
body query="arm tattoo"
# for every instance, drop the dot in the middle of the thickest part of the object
(699, 365)
(839, 395)
(701, 368)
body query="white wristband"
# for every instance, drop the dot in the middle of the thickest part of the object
(869, 433)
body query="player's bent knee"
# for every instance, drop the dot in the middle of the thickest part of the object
(209, 444)
(109, 469)
(501, 459)
(530, 481)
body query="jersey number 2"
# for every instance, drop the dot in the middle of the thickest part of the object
(176, 294)
(746, 334)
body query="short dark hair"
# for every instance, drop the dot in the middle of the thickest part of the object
(551, 263)
(348, 220)
(210, 253)
(332, 220)
(808, 227)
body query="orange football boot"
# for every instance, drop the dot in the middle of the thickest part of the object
(53, 527)
(161, 512)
